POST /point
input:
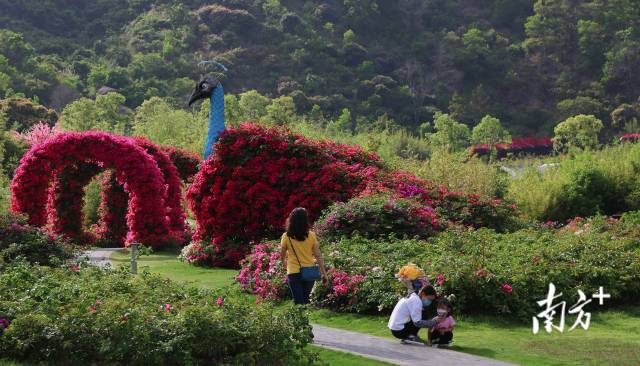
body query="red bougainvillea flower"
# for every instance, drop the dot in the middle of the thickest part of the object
(257, 175)
(440, 279)
(147, 220)
(113, 209)
(185, 161)
(219, 301)
(506, 288)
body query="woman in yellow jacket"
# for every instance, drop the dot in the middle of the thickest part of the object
(299, 247)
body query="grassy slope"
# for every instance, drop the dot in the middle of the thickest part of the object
(612, 339)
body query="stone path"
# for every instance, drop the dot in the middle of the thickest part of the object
(100, 257)
(393, 352)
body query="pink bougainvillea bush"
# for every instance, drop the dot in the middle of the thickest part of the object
(257, 175)
(262, 274)
(147, 218)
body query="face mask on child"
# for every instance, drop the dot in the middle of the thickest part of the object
(442, 312)
(426, 302)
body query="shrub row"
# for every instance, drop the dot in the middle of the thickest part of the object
(486, 271)
(79, 315)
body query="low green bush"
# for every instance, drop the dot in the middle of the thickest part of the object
(19, 241)
(66, 316)
(377, 216)
(586, 183)
(497, 273)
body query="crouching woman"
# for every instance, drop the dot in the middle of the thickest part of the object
(406, 318)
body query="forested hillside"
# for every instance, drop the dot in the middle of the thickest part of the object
(529, 63)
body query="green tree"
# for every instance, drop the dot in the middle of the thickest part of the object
(348, 37)
(158, 121)
(281, 111)
(490, 131)
(344, 123)
(232, 110)
(105, 113)
(450, 134)
(580, 132)
(253, 105)
(579, 105)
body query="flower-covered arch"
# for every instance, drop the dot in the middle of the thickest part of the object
(82, 154)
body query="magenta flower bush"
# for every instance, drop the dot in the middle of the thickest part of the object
(262, 274)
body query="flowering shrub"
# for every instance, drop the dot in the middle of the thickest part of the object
(186, 162)
(257, 175)
(18, 240)
(630, 137)
(341, 292)
(496, 273)
(140, 320)
(37, 134)
(146, 219)
(378, 216)
(262, 274)
(197, 253)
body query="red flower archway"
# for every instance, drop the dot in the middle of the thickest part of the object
(148, 220)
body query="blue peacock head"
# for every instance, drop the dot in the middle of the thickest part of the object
(204, 88)
(210, 87)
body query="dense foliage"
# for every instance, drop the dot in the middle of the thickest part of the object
(474, 265)
(582, 184)
(77, 315)
(21, 242)
(530, 63)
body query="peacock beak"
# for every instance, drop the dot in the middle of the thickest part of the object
(197, 94)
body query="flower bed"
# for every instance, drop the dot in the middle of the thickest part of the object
(486, 272)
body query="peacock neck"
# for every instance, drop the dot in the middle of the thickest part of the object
(216, 120)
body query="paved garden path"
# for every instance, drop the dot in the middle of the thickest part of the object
(394, 352)
(100, 257)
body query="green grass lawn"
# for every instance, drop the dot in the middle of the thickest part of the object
(167, 264)
(613, 337)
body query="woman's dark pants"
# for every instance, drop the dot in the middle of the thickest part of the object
(300, 290)
(404, 333)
